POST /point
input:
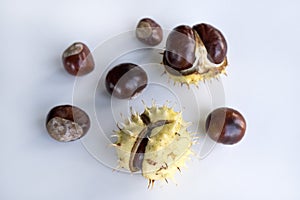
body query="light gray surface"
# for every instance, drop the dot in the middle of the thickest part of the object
(263, 83)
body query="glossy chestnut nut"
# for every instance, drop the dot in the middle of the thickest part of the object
(149, 32)
(213, 41)
(225, 125)
(180, 48)
(67, 123)
(126, 80)
(78, 60)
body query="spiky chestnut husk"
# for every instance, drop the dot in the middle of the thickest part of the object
(205, 66)
(168, 146)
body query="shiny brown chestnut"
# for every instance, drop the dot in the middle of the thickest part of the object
(126, 80)
(213, 41)
(180, 48)
(225, 125)
(78, 60)
(67, 123)
(149, 32)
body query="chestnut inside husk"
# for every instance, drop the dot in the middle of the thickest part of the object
(195, 54)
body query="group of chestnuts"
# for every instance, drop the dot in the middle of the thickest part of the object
(156, 141)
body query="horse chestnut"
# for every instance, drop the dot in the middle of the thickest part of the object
(78, 60)
(214, 42)
(181, 45)
(126, 80)
(66, 123)
(149, 32)
(225, 125)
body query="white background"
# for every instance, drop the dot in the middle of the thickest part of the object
(263, 83)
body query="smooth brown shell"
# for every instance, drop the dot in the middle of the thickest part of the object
(126, 80)
(225, 125)
(180, 48)
(214, 42)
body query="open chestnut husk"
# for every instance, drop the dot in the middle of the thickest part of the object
(195, 53)
(225, 125)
